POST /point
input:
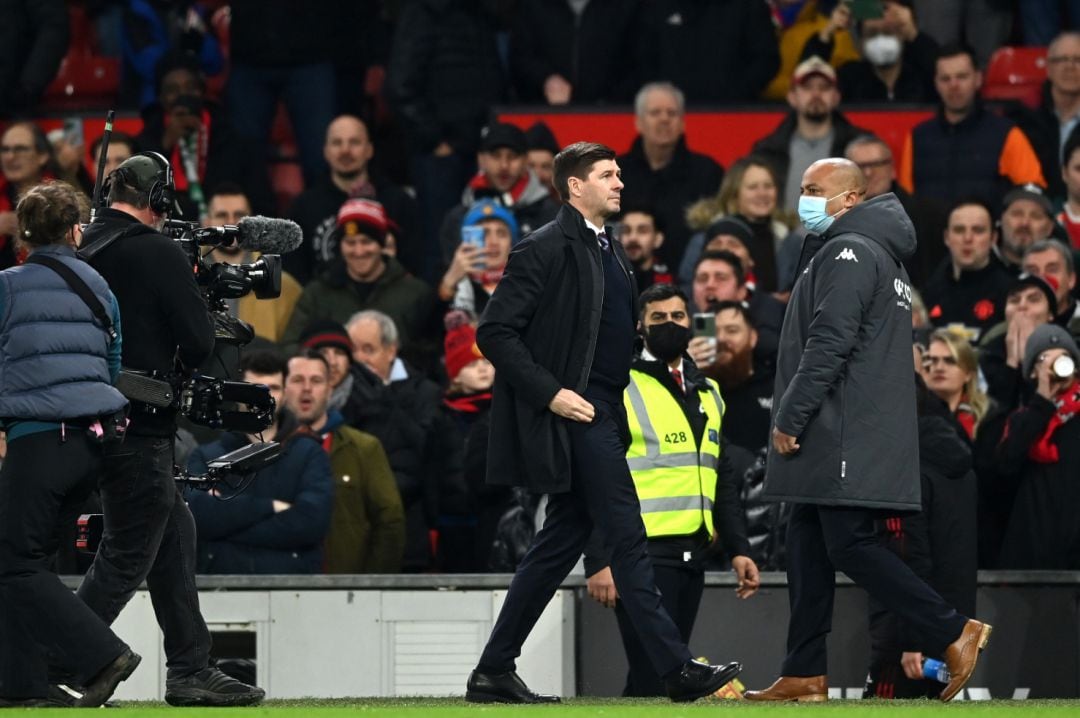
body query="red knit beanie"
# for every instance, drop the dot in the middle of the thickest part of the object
(461, 349)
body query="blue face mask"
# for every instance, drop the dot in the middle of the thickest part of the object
(813, 215)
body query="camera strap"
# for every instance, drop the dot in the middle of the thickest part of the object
(79, 287)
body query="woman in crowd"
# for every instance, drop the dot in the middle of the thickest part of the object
(26, 160)
(749, 193)
(951, 370)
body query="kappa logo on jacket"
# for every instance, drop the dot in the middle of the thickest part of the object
(847, 253)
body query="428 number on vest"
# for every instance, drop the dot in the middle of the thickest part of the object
(675, 437)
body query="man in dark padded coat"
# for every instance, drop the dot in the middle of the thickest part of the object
(845, 437)
(560, 331)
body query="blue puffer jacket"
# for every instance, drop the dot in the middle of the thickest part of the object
(56, 362)
(243, 535)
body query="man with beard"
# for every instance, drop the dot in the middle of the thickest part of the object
(746, 384)
(1026, 217)
(813, 130)
(684, 479)
(640, 235)
(965, 150)
(719, 277)
(348, 150)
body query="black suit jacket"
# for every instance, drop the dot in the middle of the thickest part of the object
(539, 330)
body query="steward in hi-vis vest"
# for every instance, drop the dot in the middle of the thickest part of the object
(687, 489)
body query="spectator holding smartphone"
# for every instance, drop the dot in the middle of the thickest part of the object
(487, 233)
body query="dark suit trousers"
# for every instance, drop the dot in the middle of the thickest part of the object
(680, 591)
(603, 492)
(44, 476)
(824, 539)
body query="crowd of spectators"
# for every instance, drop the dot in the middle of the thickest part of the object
(414, 195)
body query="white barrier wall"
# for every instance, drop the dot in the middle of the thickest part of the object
(343, 643)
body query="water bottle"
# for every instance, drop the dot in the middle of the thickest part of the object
(935, 670)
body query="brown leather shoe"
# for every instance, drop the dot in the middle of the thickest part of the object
(812, 689)
(961, 655)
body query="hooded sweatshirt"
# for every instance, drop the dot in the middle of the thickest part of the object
(844, 380)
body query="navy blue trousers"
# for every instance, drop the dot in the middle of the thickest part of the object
(824, 539)
(602, 492)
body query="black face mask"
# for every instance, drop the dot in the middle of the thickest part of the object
(667, 341)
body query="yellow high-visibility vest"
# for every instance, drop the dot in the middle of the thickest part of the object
(675, 479)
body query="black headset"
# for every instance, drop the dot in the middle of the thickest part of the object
(151, 173)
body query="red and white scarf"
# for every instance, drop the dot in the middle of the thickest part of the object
(1044, 451)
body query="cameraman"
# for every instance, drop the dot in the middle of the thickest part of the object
(56, 388)
(149, 531)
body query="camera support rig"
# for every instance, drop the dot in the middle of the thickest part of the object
(241, 463)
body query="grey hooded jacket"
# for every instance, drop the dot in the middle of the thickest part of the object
(845, 382)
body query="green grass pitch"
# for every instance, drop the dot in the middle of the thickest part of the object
(585, 708)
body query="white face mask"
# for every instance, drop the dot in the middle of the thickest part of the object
(882, 50)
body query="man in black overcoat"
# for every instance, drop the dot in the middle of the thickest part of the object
(560, 331)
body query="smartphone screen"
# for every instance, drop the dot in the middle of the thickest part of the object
(474, 235)
(866, 9)
(705, 325)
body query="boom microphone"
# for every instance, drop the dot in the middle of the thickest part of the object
(267, 235)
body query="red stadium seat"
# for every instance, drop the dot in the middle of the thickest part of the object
(282, 137)
(1016, 73)
(287, 181)
(84, 78)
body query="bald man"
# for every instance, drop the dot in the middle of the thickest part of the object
(845, 443)
(348, 151)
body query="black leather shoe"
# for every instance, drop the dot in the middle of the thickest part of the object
(104, 684)
(502, 688)
(696, 679)
(211, 687)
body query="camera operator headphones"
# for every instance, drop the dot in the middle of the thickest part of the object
(151, 173)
